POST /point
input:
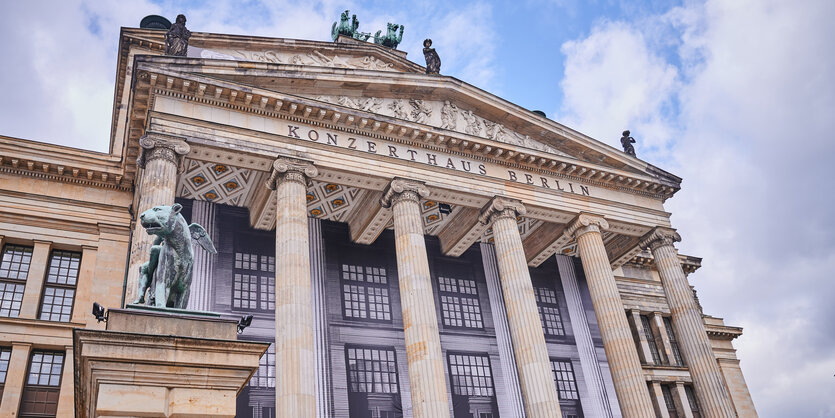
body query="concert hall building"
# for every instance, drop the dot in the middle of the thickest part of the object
(411, 245)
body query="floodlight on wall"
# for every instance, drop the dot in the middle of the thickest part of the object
(99, 312)
(244, 322)
(444, 208)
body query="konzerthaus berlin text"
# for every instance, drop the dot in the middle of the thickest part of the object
(411, 245)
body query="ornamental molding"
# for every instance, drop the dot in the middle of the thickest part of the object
(501, 207)
(585, 223)
(155, 145)
(403, 189)
(658, 237)
(291, 169)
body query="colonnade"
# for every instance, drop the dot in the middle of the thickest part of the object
(295, 358)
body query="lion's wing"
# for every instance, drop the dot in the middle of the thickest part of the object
(202, 237)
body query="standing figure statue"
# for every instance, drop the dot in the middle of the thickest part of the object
(176, 39)
(168, 271)
(433, 61)
(626, 141)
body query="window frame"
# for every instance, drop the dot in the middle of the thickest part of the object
(262, 277)
(56, 285)
(540, 306)
(674, 345)
(15, 281)
(38, 387)
(649, 335)
(452, 375)
(573, 374)
(381, 348)
(456, 270)
(669, 399)
(364, 264)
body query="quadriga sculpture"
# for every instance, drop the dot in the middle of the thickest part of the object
(168, 271)
(392, 38)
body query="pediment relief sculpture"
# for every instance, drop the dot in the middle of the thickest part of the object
(315, 58)
(445, 115)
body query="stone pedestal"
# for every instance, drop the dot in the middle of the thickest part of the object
(154, 363)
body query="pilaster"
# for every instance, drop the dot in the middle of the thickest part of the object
(15, 376)
(84, 286)
(535, 377)
(35, 280)
(708, 383)
(420, 322)
(624, 363)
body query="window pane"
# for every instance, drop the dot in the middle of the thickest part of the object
(5, 355)
(470, 374)
(564, 379)
(57, 304)
(459, 303)
(264, 377)
(650, 336)
(11, 296)
(15, 262)
(45, 369)
(63, 267)
(365, 293)
(371, 369)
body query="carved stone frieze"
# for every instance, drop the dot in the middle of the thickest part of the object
(658, 237)
(316, 58)
(155, 145)
(288, 169)
(501, 207)
(403, 189)
(585, 223)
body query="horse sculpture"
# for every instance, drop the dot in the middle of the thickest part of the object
(168, 271)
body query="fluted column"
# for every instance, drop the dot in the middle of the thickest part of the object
(295, 363)
(202, 281)
(539, 392)
(420, 323)
(708, 382)
(161, 158)
(624, 363)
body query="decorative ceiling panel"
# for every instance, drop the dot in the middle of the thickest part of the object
(526, 227)
(218, 183)
(331, 201)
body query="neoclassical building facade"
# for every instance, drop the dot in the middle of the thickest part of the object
(410, 245)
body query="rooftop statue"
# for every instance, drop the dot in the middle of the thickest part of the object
(392, 38)
(433, 61)
(176, 39)
(626, 141)
(168, 271)
(348, 28)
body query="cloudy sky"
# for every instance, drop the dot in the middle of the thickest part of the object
(737, 97)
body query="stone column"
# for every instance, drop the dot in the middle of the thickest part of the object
(295, 364)
(598, 403)
(694, 344)
(324, 389)
(161, 158)
(35, 278)
(420, 323)
(627, 374)
(16, 375)
(536, 380)
(202, 282)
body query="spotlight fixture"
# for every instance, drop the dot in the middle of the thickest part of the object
(98, 312)
(444, 208)
(244, 322)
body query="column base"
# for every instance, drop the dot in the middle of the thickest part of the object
(153, 363)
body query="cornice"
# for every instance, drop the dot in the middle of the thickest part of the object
(293, 108)
(65, 173)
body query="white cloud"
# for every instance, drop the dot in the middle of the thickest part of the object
(750, 135)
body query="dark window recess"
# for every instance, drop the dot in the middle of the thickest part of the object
(668, 400)
(459, 303)
(264, 377)
(549, 311)
(365, 293)
(14, 268)
(650, 336)
(564, 378)
(43, 382)
(59, 291)
(679, 361)
(253, 282)
(372, 382)
(691, 399)
(473, 394)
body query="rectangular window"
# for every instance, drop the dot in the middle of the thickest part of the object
(43, 382)
(5, 356)
(679, 361)
(650, 336)
(253, 282)
(264, 377)
(371, 369)
(691, 399)
(459, 303)
(59, 291)
(565, 380)
(365, 293)
(470, 374)
(668, 400)
(14, 268)
(549, 311)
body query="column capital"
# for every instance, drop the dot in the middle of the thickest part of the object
(658, 237)
(403, 189)
(155, 145)
(501, 207)
(291, 169)
(584, 223)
